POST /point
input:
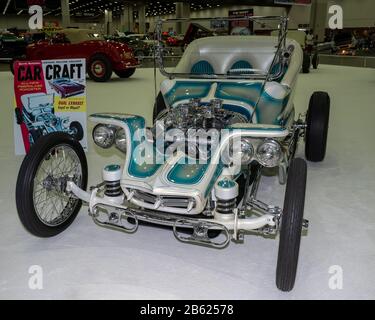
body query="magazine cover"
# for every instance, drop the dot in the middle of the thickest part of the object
(50, 96)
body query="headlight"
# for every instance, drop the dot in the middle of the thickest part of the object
(127, 55)
(244, 150)
(247, 151)
(269, 153)
(103, 136)
(120, 140)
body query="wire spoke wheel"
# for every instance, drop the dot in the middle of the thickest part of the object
(44, 206)
(51, 203)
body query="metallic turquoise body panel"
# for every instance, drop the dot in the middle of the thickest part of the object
(187, 173)
(137, 127)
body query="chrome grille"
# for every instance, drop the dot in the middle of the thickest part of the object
(167, 201)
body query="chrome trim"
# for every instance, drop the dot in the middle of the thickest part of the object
(114, 220)
(118, 212)
(200, 233)
(165, 201)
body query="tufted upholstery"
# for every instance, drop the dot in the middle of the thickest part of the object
(224, 52)
(242, 64)
(202, 67)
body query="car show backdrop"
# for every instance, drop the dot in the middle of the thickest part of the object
(50, 96)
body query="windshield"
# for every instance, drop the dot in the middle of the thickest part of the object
(234, 49)
(76, 35)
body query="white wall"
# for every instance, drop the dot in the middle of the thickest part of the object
(357, 13)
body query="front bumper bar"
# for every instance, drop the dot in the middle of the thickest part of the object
(117, 214)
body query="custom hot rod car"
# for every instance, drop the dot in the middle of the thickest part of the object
(223, 117)
(67, 87)
(102, 57)
(39, 117)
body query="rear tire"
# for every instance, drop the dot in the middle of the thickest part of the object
(99, 68)
(306, 63)
(315, 61)
(27, 198)
(317, 121)
(291, 225)
(125, 73)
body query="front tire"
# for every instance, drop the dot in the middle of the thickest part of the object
(43, 206)
(125, 73)
(317, 121)
(291, 225)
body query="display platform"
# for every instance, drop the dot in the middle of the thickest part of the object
(87, 262)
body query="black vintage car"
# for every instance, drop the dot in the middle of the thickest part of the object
(11, 46)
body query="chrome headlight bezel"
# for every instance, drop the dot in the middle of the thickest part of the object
(247, 151)
(269, 153)
(120, 140)
(104, 135)
(244, 150)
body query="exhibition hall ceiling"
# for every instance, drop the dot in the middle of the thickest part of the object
(92, 8)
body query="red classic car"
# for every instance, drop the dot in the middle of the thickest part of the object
(102, 57)
(171, 40)
(174, 41)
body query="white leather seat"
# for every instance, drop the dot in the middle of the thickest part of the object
(219, 54)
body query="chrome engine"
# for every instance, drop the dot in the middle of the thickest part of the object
(200, 115)
(195, 126)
